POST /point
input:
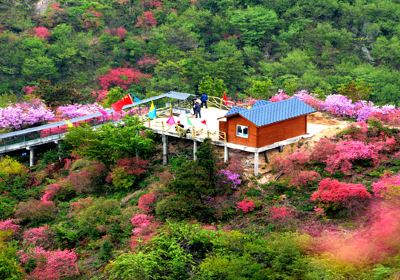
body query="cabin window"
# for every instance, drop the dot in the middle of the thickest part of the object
(242, 131)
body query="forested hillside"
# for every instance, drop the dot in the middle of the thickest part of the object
(249, 47)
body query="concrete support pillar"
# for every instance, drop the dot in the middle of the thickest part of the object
(281, 149)
(31, 156)
(266, 157)
(226, 153)
(256, 154)
(165, 149)
(194, 150)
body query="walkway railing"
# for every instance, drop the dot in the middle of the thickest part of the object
(55, 131)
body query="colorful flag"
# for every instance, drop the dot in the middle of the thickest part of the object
(126, 100)
(137, 100)
(225, 98)
(103, 112)
(171, 120)
(204, 122)
(152, 112)
(69, 124)
(188, 121)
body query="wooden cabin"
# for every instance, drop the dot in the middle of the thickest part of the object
(265, 122)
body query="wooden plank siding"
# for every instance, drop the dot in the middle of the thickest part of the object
(283, 130)
(232, 122)
(264, 135)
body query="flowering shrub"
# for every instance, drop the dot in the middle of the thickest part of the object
(304, 178)
(246, 205)
(122, 77)
(100, 95)
(342, 106)
(345, 194)
(281, 95)
(280, 212)
(41, 32)
(77, 110)
(387, 186)
(88, 179)
(146, 202)
(51, 265)
(146, 61)
(21, 115)
(9, 224)
(290, 163)
(50, 192)
(231, 178)
(119, 32)
(29, 89)
(40, 236)
(36, 211)
(143, 229)
(146, 20)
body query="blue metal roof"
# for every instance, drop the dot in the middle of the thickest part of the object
(234, 110)
(273, 112)
(260, 103)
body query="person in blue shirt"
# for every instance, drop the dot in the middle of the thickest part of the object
(204, 98)
(197, 110)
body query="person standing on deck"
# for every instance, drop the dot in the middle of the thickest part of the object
(197, 110)
(204, 98)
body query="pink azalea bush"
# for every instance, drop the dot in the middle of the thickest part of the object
(119, 32)
(39, 236)
(331, 192)
(25, 114)
(246, 205)
(51, 265)
(386, 185)
(144, 229)
(41, 32)
(342, 106)
(9, 225)
(280, 212)
(288, 164)
(146, 20)
(77, 110)
(122, 77)
(281, 95)
(146, 202)
(50, 192)
(303, 178)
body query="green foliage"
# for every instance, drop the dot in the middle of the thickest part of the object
(9, 267)
(212, 87)
(114, 94)
(111, 142)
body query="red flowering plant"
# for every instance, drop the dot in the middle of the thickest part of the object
(51, 265)
(332, 194)
(121, 77)
(387, 187)
(146, 20)
(281, 213)
(143, 229)
(146, 202)
(41, 32)
(246, 206)
(10, 225)
(39, 236)
(304, 178)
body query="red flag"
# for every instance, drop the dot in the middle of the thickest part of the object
(126, 100)
(204, 122)
(225, 98)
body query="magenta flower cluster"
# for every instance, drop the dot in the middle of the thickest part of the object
(25, 114)
(77, 110)
(342, 106)
(231, 178)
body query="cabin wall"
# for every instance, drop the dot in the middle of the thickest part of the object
(280, 131)
(223, 127)
(232, 122)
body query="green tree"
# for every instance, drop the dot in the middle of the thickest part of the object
(212, 86)
(38, 68)
(9, 267)
(254, 23)
(111, 142)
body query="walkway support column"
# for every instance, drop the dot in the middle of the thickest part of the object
(31, 156)
(165, 149)
(194, 150)
(226, 155)
(256, 154)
